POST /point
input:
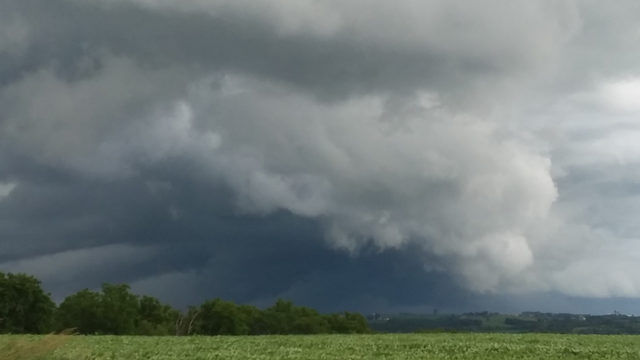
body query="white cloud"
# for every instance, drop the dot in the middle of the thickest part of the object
(445, 181)
(6, 189)
(105, 125)
(623, 95)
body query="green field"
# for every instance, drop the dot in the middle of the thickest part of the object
(390, 346)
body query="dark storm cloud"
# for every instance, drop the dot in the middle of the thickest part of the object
(67, 34)
(408, 156)
(202, 249)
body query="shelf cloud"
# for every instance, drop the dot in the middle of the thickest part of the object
(425, 151)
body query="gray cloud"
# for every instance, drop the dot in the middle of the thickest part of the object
(461, 49)
(490, 146)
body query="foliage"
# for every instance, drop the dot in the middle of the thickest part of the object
(120, 309)
(155, 318)
(286, 318)
(219, 317)
(348, 323)
(115, 310)
(81, 311)
(184, 323)
(24, 306)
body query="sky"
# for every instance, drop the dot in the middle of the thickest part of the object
(347, 155)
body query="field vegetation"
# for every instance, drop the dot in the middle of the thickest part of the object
(385, 346)
(112, 323)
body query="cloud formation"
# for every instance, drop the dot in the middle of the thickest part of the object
(492, 140)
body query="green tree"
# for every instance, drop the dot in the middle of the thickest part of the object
(155, 318)
(119, 309)
(113, 310)
(24, 306)
(254, 318)
(81, 311)
(219, 317)
(308, 321)
(184, 324)
(348, 323)
(279, 317)
(286, 318)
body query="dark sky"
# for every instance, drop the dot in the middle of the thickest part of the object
(360, 155)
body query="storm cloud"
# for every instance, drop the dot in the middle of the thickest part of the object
(343, 154)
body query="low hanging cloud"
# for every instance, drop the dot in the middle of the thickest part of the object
(450, 183)
(464, 132)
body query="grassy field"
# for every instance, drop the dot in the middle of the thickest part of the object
(392, 346)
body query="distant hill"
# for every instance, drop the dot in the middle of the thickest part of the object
(494, 322)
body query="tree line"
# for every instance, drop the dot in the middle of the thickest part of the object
(114, 309)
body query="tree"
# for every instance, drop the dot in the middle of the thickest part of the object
(184, 324)
(286, 318)
(348, 323)
(279, 317)
(81, 311)
(119, 309)
(115, 310)
(308, 321)
(155, 318)
(219, 317)
(24, 306)
(254, 318)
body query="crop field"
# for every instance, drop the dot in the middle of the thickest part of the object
(388, 346)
